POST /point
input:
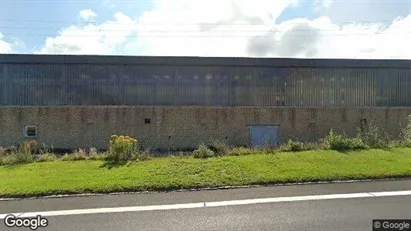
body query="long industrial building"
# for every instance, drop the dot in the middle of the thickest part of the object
(179, 102)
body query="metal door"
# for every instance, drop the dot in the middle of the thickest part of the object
(266, 135)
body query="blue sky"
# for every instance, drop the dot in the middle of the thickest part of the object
(32, 21)
(294, 28)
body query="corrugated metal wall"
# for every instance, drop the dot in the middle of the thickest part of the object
(77, 84)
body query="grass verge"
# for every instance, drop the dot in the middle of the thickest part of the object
(93, 176)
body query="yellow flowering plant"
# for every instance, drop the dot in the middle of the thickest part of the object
(122, 148)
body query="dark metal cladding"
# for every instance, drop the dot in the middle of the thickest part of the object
(201, 61)
(199, 81)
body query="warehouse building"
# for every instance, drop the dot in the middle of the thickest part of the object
(178, 102)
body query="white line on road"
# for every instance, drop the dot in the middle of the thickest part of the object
(209, 204)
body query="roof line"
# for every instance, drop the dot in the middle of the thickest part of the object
(202, 61)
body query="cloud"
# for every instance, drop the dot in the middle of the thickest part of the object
(5, 47)
(234, 28)
(371, 40)
(325, 3)
(91, 38)
(189, 28)
(366, 10)
(240, 29)
(322, 5)
(87, 15)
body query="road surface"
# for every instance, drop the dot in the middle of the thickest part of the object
(344, 206)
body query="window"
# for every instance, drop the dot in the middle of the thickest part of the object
(147, 120)
(30, 131)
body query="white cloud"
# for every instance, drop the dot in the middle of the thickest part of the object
(88, 15)
(206, 28)
(320, 5)
(245, 29)
(327, 3)
(234, 28)
(91, 39)
(5, 47)
(367, 10)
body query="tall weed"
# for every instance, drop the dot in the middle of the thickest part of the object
(122, 148)
(372, 137)
(340, 143)
(203, 152)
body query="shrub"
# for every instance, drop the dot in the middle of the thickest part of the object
(47, 157)
(315, 146)
(122, 148)
(406, 134)
(93, 151)
(219, 148)
(297, 146)
(203, 152)
(146, 155)
(8, 160)
(81, 152)
(23, 154)
(10, 150)
(292, 146)
(241, 151)
(66, 157)
(371, 136)
(338, 142)
(29, 147)
(77, 155)
(97, 156)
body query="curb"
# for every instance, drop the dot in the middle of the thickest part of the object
(204, 189)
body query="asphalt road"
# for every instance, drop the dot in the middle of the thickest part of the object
(335, 214)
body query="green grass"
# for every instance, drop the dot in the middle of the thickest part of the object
(168, 173)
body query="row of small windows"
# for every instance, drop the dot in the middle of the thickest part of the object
(169, 72)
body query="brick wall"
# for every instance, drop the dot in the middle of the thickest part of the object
(184, 127)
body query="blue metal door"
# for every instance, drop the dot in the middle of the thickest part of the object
(261, 136)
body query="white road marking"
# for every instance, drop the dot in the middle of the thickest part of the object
(209, 204)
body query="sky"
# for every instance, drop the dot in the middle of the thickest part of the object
(377, 29)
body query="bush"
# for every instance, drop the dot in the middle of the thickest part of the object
(241, 151)
(47, 157)
(338, 142)
(292, 146)
(29, 147)
(405, 139)
(77, 155)
(203, 152)
(219, 148)
(8, 160)
(96, 156)
(371, 136)
(66, 157)
(122, 148)
(10, 150)
(23, 154)
(315, 146)
(146, 155)
(297, 146)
